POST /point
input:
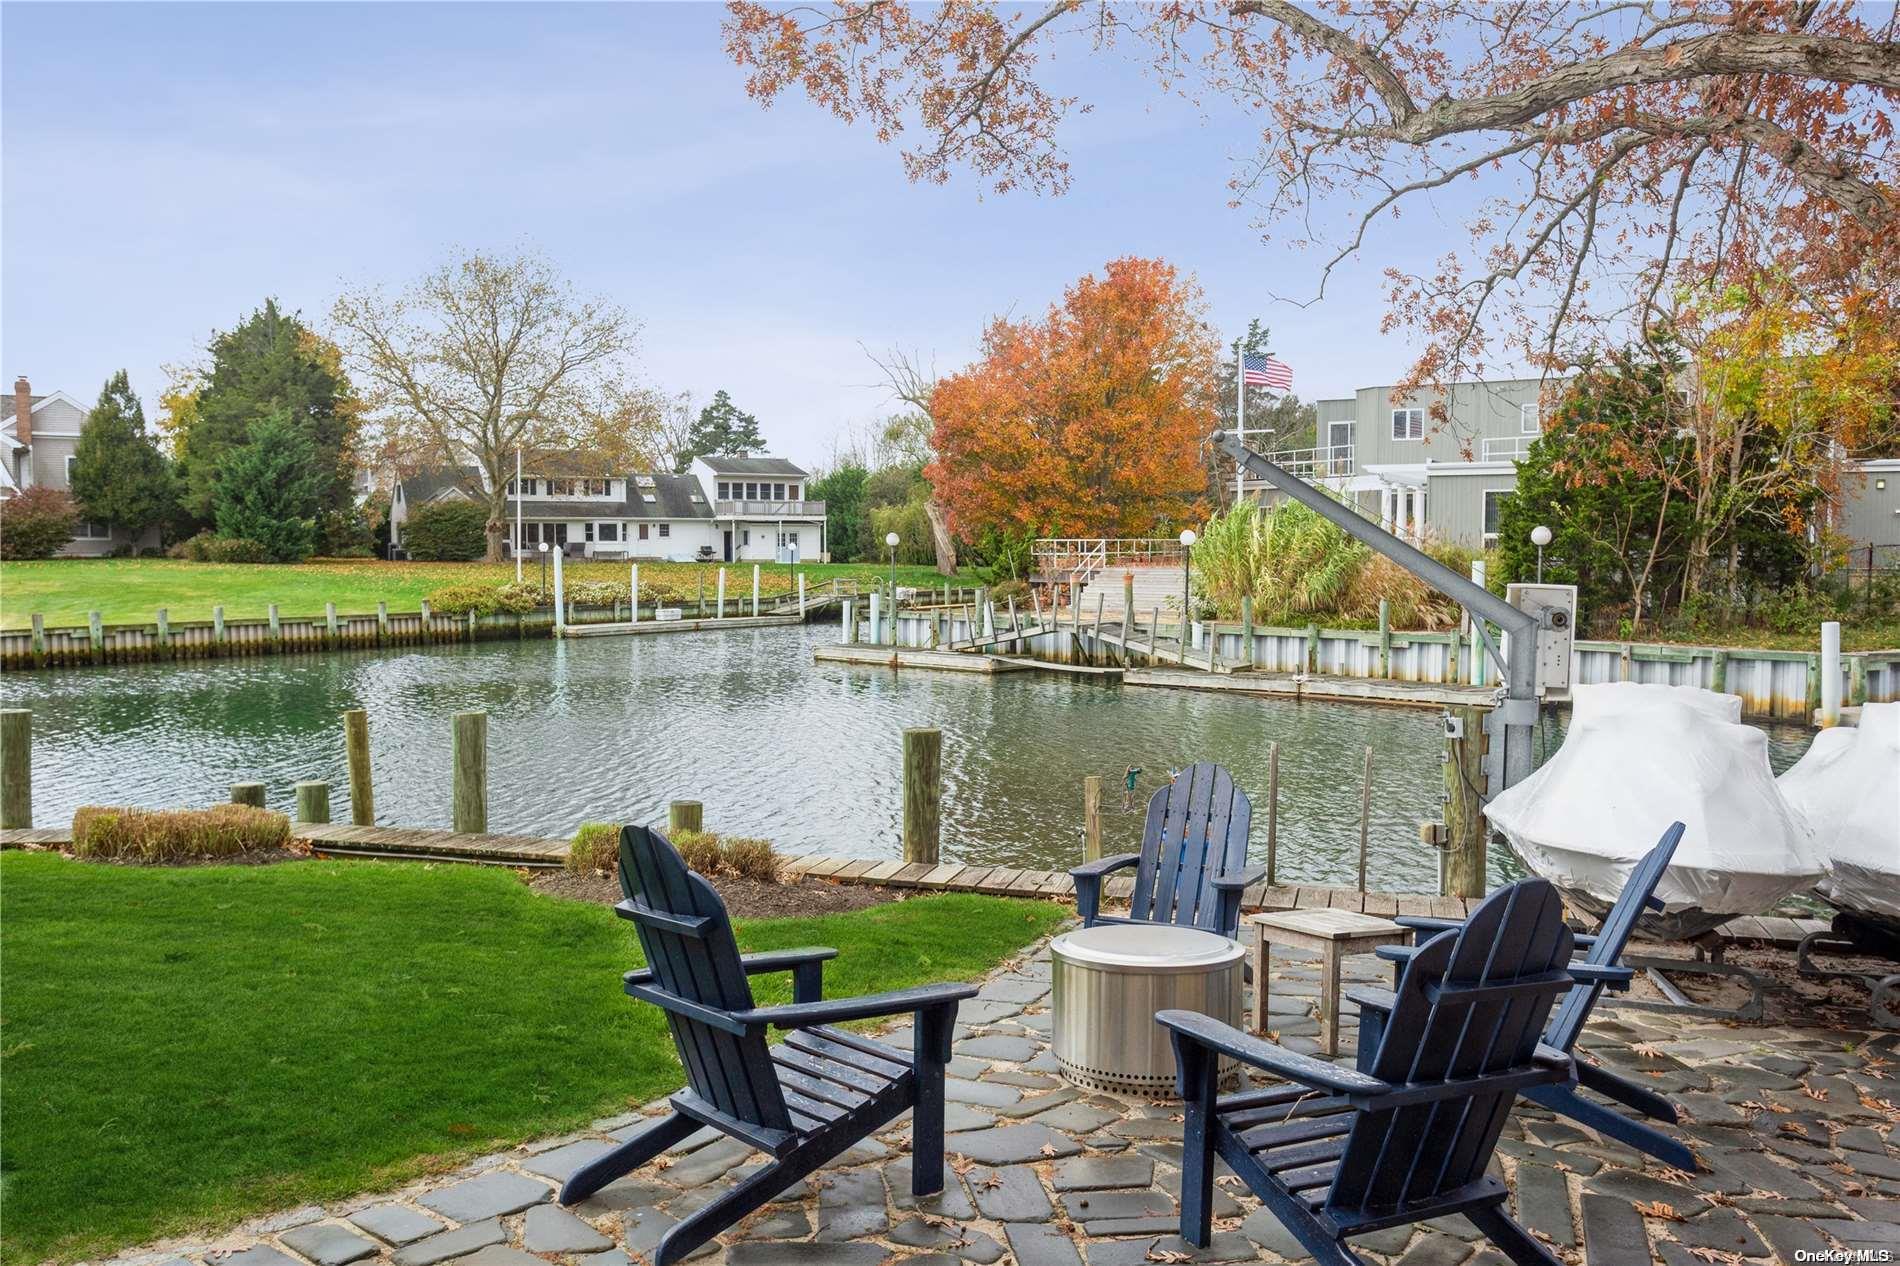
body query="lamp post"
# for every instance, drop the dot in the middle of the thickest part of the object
(543, 547)
(1187, 568)
(890, 539)
(1540, 537)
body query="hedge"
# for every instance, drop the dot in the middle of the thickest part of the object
(447, 532)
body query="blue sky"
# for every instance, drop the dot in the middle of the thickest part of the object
(167, 166)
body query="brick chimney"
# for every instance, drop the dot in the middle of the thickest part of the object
(23, 409)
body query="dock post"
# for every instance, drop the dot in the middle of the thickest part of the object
(329, 624)
(1385, 638)
(164, 633)
(428, 623)
(251, 793)
(1312, 648)
(560, 595)
(1128, 616)
(39, 640)
(382, 618)
(1095, 638)
(1857, 680)
(1452, 673)
(313, 802)
(1092, 818)
(1477, 642)
(984, 626)
(16, 769)
(1830, 673)
(1365, 817)
(1464, 805)
(1246, 631)
(1273, 811)
(356, 748)
(1154, 637)
(801, 597)
(1128, 591)
(755, 591)
(217, 631)
(685, 815)
(1718, 671)
(633, 593)
(702, 594)
(848, 630)
(469, 754)
(96, 636)
(923, 793)
(720, 614)
(276, 628)
(877, 619)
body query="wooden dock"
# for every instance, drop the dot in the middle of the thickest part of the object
(917, 657)
(1422, 694)
(545, 852)
(647, 627)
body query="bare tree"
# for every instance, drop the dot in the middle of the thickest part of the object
(911, 382)
(487, 355)
(674, 436)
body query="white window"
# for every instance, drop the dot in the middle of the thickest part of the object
(1493, 509)
(610, 531)
(1530, 418)
(666, 529)
(648, 497)
(91, 529)
(1408, 424)
(589, 531)
(69, 470)
(725, 491)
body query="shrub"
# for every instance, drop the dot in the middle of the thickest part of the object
(235, 549)
(447, 532)
(699, 849)
(596, 848)
(517, 599)
(750, 859)
(595, 593)
(163, 835)
(194, 549)
(464, 598)
(36, 523)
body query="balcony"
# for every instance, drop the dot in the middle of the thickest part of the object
(1313, 464)
(1505, 448)
(769, 509)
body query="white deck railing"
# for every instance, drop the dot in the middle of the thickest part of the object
(1501, 448)
(1325, 462)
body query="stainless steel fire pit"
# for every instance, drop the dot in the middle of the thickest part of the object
(1109, 982)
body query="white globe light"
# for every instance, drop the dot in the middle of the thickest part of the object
(543, 547)
(1188, 537)
(1540, 535)
(890, 539)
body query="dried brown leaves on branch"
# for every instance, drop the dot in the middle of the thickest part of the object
(1610, 155)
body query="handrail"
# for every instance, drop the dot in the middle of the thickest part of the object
(1323, 462)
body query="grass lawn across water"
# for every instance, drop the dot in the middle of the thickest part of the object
(130, 590)
(185, 1047)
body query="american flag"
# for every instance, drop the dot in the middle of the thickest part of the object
(1266, 371)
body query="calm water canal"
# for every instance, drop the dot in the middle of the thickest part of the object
(807, 755)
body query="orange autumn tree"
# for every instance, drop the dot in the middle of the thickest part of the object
(1086, 422)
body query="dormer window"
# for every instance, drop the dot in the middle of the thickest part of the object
(643, 481)
(648, 497)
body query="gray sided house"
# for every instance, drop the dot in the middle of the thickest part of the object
(1445, 482)
(38, 437)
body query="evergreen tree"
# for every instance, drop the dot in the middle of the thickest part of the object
(272, 362)
(842, 491)
(722, 427)
(270, 489)
(119, 476)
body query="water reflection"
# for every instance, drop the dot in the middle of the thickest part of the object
(806, 755)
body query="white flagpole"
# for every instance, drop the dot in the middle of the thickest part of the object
(517, 516)
(1240, 415)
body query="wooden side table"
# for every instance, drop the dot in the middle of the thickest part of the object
(1335, 934)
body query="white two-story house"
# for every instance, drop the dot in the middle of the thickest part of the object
(587, 511)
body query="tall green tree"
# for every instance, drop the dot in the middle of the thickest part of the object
(842, 491)
(723, 427)
(119, 476)
(271, 488)
(272, 363)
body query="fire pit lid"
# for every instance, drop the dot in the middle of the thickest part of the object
(1146, 947)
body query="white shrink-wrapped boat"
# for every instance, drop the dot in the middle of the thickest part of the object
(1847, 789)
(1636, 758)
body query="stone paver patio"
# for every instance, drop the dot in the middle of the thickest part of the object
(1795, 1128)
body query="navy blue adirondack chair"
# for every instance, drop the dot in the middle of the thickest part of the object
(802, 1102)
(1343, 1152)
(1566, 1023)
(1192, 867)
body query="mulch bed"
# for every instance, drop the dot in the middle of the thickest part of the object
(745, 898)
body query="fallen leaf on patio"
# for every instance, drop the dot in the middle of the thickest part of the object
(1158, 1254)
(991, 1183)
(1707, 1254)
(1656, 1209)
(1047, 1149)
(662, 1162)
(1794, 1127)
(1649, 1050)
(1840, 1167)
(1669, 1173)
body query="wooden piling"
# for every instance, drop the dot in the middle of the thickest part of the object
(1095, 638)
(1365, 818)
(96, 637)
(329, 624)
(469, 755)
(164, 633)
(1246, 631)
(1385, 638)
(1128, 616)
(16, 769)
(313, 802)
(1273, 810)
(1312, 648)
(382, 623)
(755, 590)
(39, 640)
(1154, 637)
(1092, 818)
(356, 748)
(923, 793)
(276, 628)
(428, 623)
(720, 614)
(685, 815)
(1464, 804)
(251, 793)
(217, 630)
(1718, 671)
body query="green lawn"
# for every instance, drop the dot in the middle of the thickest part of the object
(126, 590)
(182, 1048)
